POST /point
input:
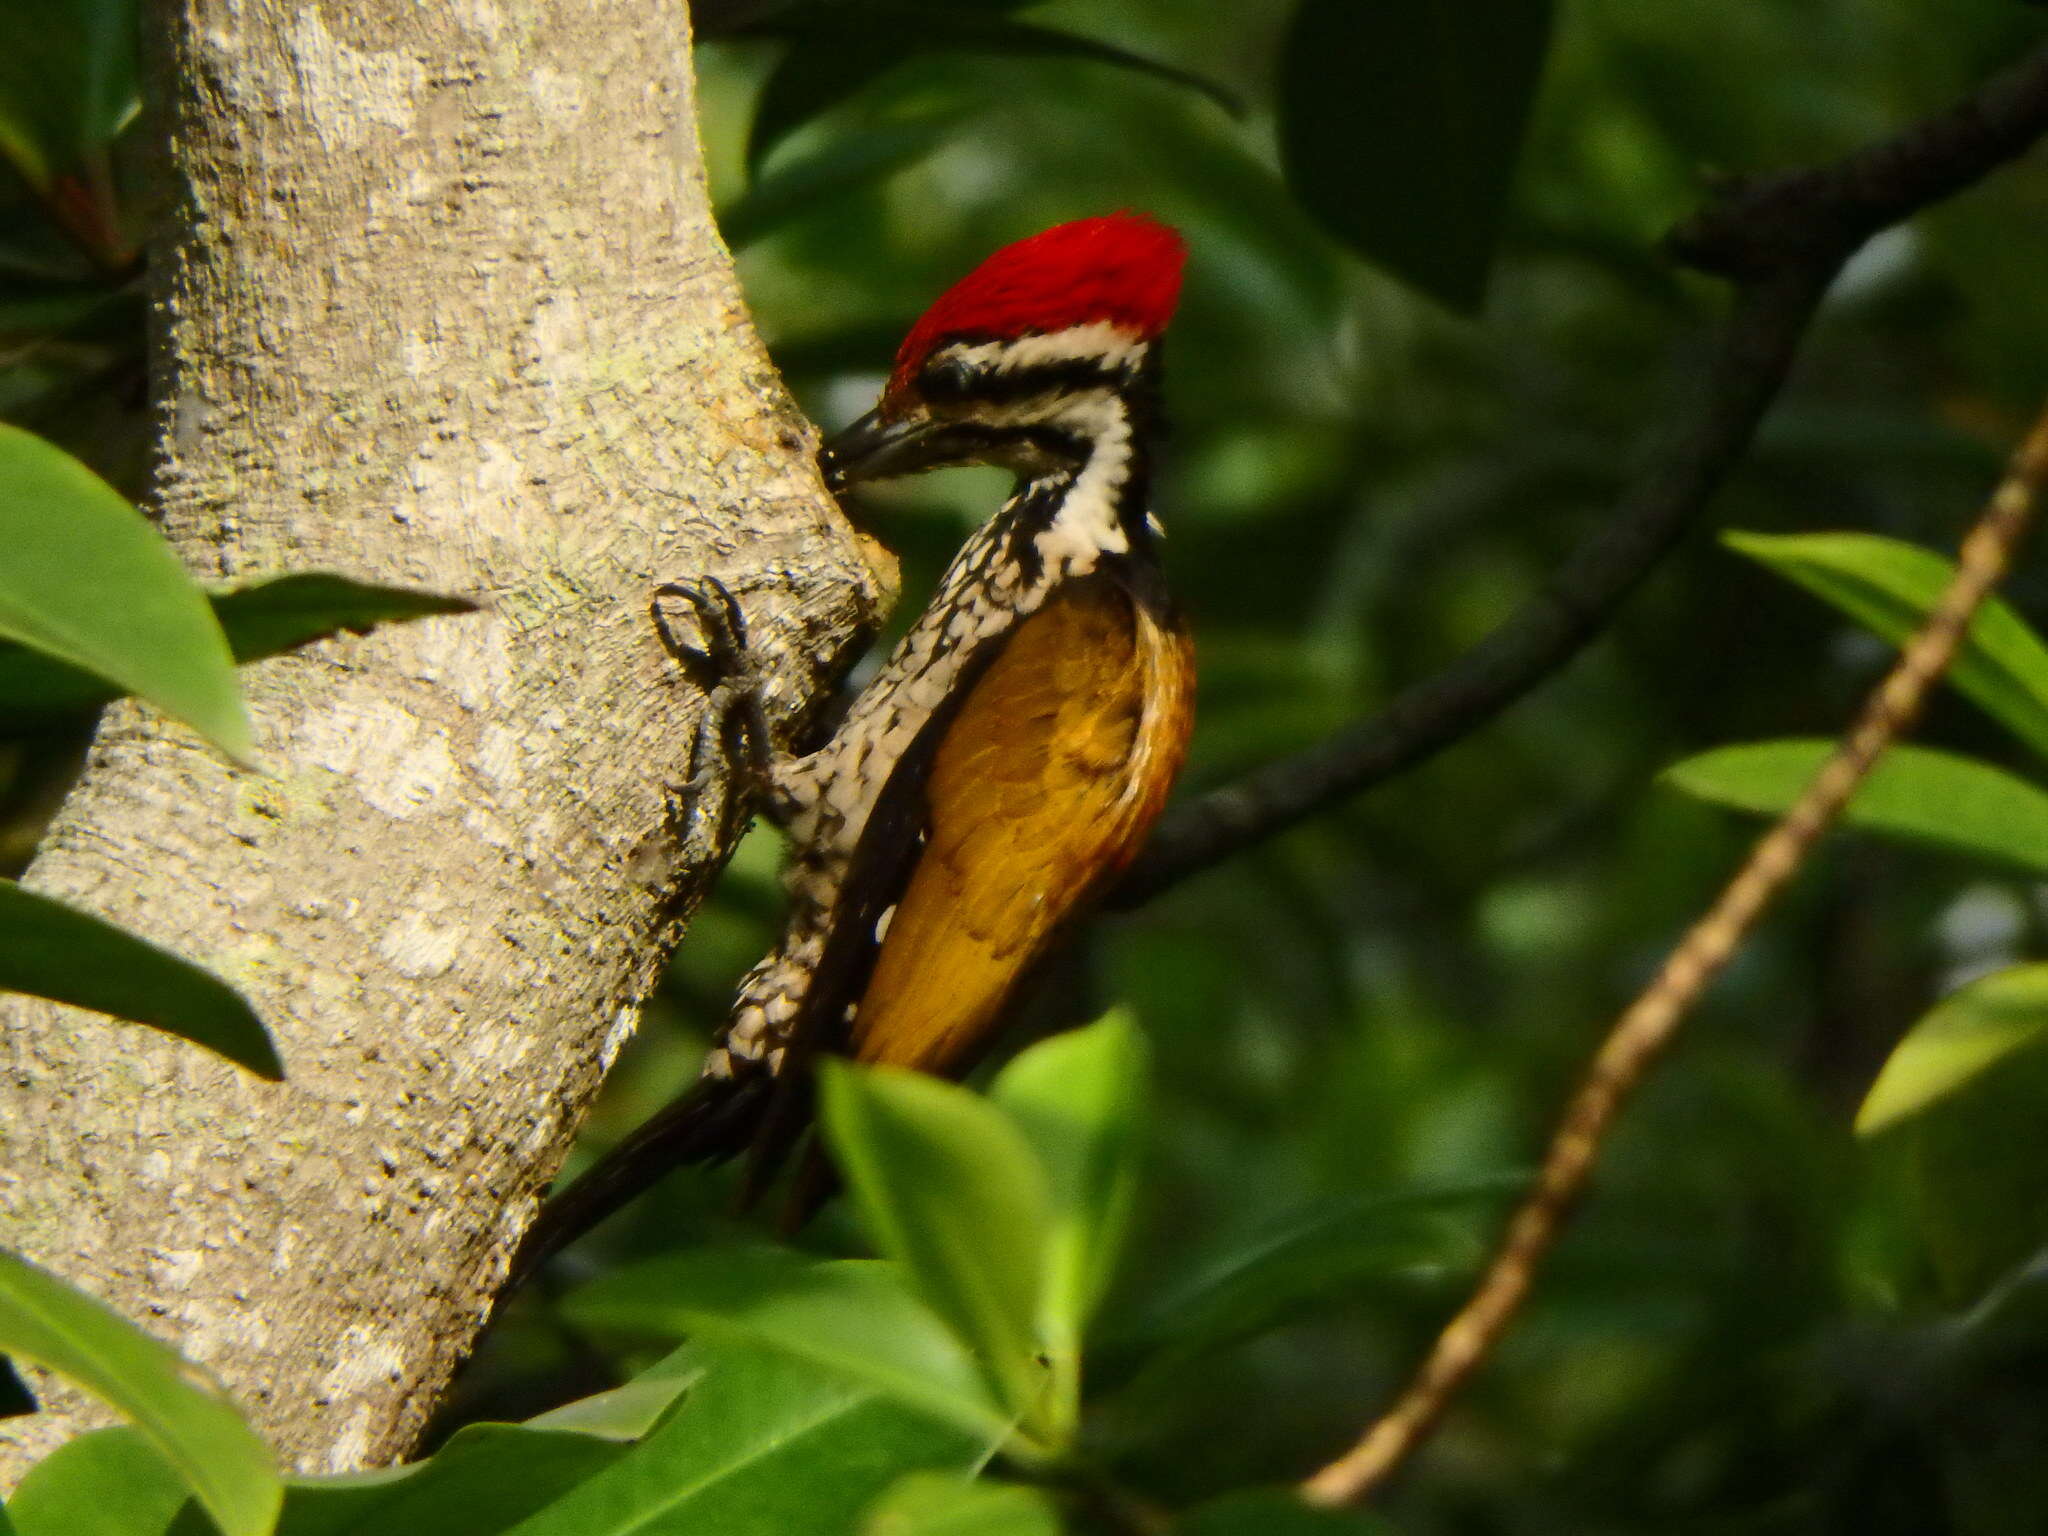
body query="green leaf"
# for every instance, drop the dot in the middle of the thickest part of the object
(833, 56)
(50, 950)
(1916, 793)
(814, 75)
(1400, 125)
(182, 1414)
(67, 85)
(1079, 1098)
(489, 1477)
(850, 162)
(947, 1186)
(484, 1481)
(1966, 1033)
(265, 618)
(89, 581)
(931, 1504)
(1890, 587)
(1325, 1253)
(1980, 1186)
(762, 1446)
(630, 1411)
(856, 1317)
(107, 1483)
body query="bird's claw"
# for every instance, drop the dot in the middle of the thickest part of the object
(723, 666)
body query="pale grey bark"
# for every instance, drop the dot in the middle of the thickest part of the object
(439, 302)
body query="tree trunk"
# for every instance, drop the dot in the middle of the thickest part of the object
(440, 302)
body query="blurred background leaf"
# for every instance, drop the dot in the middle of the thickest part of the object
(838, 49)
(67, 86)
(1400, 125)
(1968, 1032)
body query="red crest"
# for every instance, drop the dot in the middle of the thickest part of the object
(1122, 269)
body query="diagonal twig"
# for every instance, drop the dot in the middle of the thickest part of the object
(1648, 1025)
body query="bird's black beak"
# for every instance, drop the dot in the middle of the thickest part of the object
(875, 449)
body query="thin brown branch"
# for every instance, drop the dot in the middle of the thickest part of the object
(1783, 238)
(1648, 1025)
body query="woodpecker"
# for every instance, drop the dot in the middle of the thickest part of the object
(1012, 753)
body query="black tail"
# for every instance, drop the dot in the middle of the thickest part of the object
(714, 1120)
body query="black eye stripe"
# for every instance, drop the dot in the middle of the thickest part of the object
(956, 378)
(1053, 442)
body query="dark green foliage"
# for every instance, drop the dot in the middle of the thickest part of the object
(836, 50)
(1762, 1322)
(1400, 125)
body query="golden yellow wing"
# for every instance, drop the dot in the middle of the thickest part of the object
(1044, 784)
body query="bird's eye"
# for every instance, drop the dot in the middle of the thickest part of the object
(946, 379)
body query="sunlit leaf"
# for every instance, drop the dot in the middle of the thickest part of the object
(1966, 1033)
(761, 1446)
(947, 1186)
(489, 1477)
(1079, 1098)
(1933, 797)
(265, 618)
(89, 581)
(183, 1415)
(50, 950)
(1890, 587)
(931, 1504)
(484, 1481)
(1400, 125)
(110, 1482)
(856, 1317)
(1980, 1186)
(627, 1412)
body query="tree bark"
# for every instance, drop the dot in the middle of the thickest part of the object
(439, 302)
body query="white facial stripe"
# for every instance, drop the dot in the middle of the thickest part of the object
(1087, 525)
(1098, 341)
